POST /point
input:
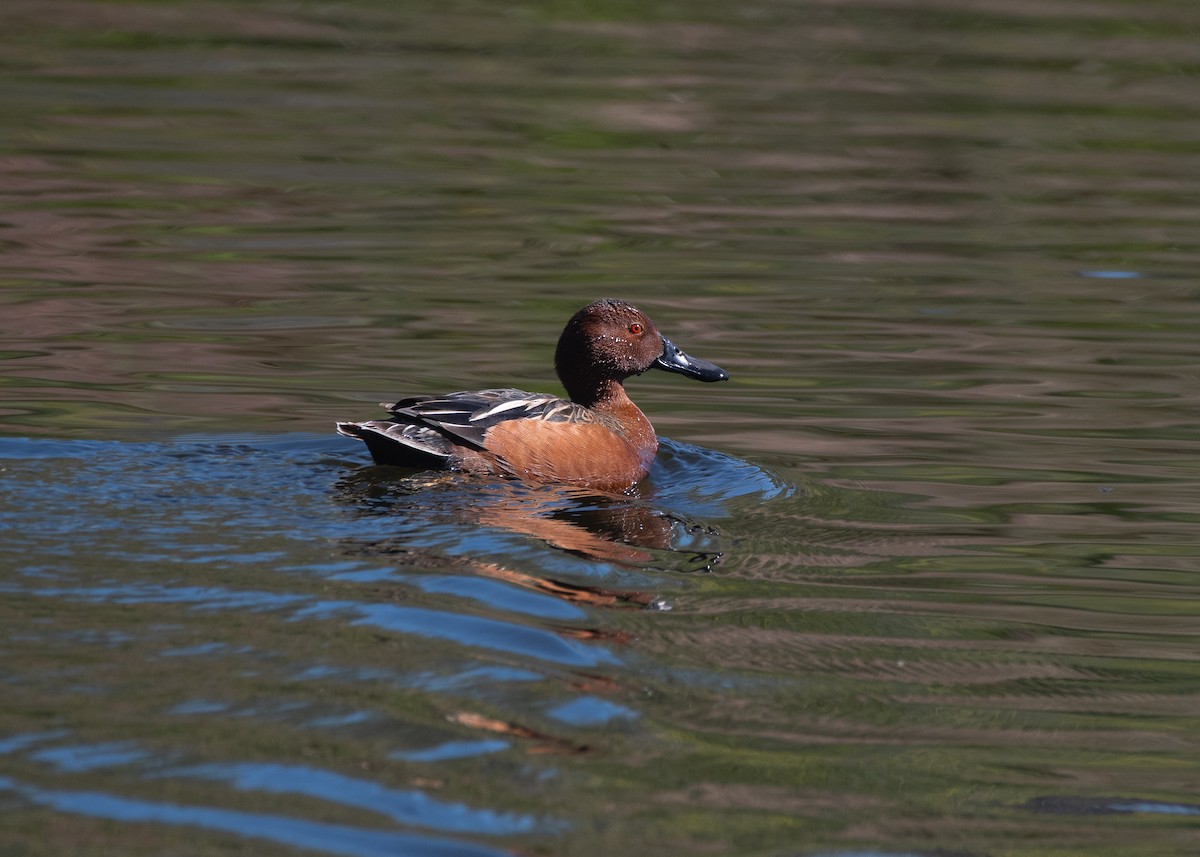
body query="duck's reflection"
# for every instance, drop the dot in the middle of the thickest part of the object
(618, 529)
(604, 527)
(615, 528)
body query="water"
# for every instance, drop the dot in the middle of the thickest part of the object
(920, 579)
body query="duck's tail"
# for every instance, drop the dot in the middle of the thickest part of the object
(401, 444)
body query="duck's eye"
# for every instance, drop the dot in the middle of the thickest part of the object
(635, 328)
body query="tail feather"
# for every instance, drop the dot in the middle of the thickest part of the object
(400, 444)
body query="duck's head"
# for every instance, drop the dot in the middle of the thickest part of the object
(610, 340)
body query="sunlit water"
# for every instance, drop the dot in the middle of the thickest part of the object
(920, 579)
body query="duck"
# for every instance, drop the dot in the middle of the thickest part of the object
(596, 438)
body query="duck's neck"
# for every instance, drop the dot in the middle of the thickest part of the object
(605, 395)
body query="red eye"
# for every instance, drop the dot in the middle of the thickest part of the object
(635, 328)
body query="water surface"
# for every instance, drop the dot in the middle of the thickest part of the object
(920, 579)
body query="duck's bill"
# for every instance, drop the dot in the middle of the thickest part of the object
(674, 360)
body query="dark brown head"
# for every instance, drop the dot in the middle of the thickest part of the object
(610, 340)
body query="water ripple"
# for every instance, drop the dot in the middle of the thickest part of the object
(460, 628)
(409, 806)
(340, 839)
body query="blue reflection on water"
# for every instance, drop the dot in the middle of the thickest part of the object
(501, 595)
(460, 628)
(1076, 805)
(199, 706)
(315, 836)
(699, 483)
(198, 650)
(1112, 275)
(1156, 806)
(89, 757)
(408, 806)
(19, 742)
(336, 720)
(493, 593)
(471, 677)
(590, 711)
(451, 750)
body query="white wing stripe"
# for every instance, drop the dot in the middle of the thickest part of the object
(527, 404)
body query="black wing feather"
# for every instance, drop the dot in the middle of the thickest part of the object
(424, 430)
(466, 417)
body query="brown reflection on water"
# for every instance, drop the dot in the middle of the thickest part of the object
(539, 742)
(609, 534)
(607, 529)
(621, 529)
(592, 596)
